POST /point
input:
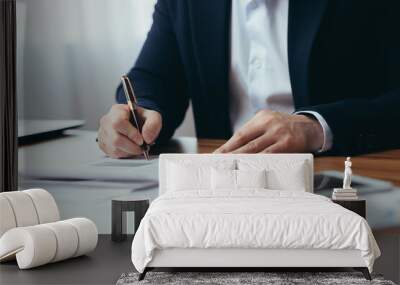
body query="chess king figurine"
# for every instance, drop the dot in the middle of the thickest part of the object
(347, 174)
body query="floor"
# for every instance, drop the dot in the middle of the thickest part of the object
(110, 260)
(388, 263)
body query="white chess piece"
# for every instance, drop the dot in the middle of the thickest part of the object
(347, 174)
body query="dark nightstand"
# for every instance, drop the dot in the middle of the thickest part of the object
(356, 206)
(118, 216)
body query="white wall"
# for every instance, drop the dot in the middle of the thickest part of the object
(71, 54)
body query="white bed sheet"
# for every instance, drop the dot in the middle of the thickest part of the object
(251, 218)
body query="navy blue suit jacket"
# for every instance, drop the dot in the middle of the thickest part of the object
(344, 63)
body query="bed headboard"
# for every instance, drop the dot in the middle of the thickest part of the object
(266, 160)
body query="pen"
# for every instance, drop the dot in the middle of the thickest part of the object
(134, 118)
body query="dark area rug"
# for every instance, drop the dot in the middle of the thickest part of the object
(233, 278)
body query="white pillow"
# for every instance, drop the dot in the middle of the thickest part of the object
(282, 175)
(186, 175)
(251, 178)
(293, 179)
(225, 179)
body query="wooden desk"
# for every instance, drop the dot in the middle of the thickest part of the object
(383, 165)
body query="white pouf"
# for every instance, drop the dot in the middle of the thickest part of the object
(30, 230)
(7, 220)
(23, 208)
(37, 245)
(45, 205)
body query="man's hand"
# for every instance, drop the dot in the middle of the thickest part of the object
(118, 138)
(272, 132)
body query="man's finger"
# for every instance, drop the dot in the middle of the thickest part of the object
(111, 151)
(123, 143)
(119, 121)
(256, 145)
(120, 111)
(119, 154)
(125, 127)
(275, 148)
(152, 126)
(239, 139)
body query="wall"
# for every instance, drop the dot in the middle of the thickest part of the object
(71, 54)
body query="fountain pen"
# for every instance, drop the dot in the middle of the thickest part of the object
(134, 118)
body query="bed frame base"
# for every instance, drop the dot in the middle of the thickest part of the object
(252, 260)
(143, 274)
(363, 270)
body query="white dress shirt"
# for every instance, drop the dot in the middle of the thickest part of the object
(259, 72)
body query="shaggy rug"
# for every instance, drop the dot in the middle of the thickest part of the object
(232, 278)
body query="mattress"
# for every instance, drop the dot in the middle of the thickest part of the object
(250, 219)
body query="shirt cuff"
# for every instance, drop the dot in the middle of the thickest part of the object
(328, 136)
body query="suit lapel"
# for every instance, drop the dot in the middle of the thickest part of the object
(304, 20)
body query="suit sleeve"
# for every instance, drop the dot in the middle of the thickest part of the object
(157, 75)
(365, 125)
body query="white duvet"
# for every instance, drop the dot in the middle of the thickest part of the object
(250, 219)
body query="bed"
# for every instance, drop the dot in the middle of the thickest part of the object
(246, 211)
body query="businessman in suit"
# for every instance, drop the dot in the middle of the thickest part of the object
(268, 75)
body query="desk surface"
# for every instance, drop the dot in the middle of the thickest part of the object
(78, 148)
(383, 165)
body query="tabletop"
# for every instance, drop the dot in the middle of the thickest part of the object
(382, 165)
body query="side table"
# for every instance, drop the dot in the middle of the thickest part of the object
(356, 206)
(118, 216)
